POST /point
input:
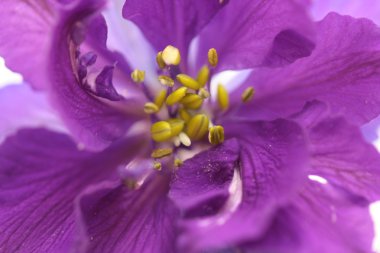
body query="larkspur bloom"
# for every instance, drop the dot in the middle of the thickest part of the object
(275, 165)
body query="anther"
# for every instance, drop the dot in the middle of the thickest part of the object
(184, 114)
(192, 101)
(188, 81)
(223, 98)
(216, 135)
(212, 57)
(176, 96)
(176, 126)
(150, 108)
(178, 162)
(203, 93)
(157, 165)
(171, 55)
(160, 62)
(166, 80)
(247, 94)
(161, 131)
(160, 98)
(184, 139)
(203, 75)
(161, 152)
(197, 127)
(138, 76)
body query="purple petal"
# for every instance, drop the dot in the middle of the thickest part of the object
(344, 75)
(41, 173)
(167, 22)
(318, 221)
(202, 182)
(244, 32)
(273, 163)
(115, 219)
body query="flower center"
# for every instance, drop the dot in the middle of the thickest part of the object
(181, 113)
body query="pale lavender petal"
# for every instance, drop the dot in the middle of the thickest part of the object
(116, 219)
(343, 71)
(41, 173)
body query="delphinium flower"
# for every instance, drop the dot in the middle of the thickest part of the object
(275, 165)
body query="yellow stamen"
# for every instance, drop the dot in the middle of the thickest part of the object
(161, 152)
(160, 62)
(203, 93)
(185, 115)
(188, 81)
(138, 76)
(178, 162)
(176, 126)
(216, 135)
(212, 57)
(223, 98)
(184, 139)
(171, 55)
(197, 127)
(160, 98)
(176, 96)
(157, 165)
(161, 131)
(247, 94)
(203, 75)
(192, 101)
(150, 108)
(166, 80)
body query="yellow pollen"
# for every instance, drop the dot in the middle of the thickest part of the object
(197, 127)
(203, 75)
(176, 126)
(223, 98)
(161, 131)
(247, 94)
(166, 80)
(185, 115)
(212, 57)
(160, 62)
(203, 93)
(216, 135)
(176, 96)
(161, 152)
(150, 108)
(178, 162)
(138, 76)
(171, 55)
(188, 81)
(184, 139)
(157, 165)
(192, 101)
(160, 98)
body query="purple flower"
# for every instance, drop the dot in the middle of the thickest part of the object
(275, 165)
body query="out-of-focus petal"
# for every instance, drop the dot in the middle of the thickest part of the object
(41, 173)
(319, 220)
(343, 71)
(21, 107)
(272, 167)
(115, 219)
(167, 22)
(243, 33)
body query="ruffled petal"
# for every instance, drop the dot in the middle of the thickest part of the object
(201, 185)
(319, 220)
(343, 71)
(167, 22)
(273, 162)
(116, 219)
(247, 34)
(41, 173)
